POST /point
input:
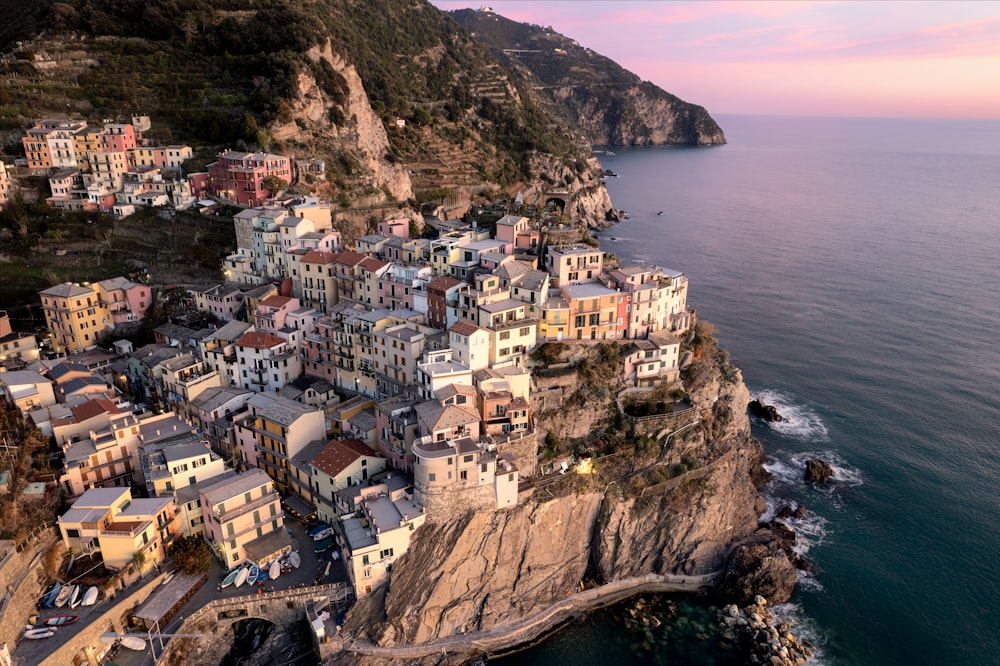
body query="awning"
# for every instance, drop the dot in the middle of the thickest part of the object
(269, 547)
(166, 597)
(298, 508)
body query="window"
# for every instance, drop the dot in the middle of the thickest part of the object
(73, 534)
(432, 476)
(364, 559)
(467, 458)
(505, 335)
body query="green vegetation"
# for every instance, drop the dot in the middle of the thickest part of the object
(190, 554)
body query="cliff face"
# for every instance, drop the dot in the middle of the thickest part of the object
(638, 115)
(359, 133)
(491, 568)
(606, 103)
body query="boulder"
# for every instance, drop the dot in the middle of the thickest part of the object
(818, 471)
(766, 412)
(759, 568)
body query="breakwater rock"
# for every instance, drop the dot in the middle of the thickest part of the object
(818, 471)
(765, 639)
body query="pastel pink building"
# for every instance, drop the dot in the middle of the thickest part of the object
(240, 177)
(118, 138)
(399, 228)
(125, 300)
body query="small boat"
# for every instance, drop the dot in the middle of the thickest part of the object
(294, 559)
(322, 527)
(90, 598)
(324, 545)
(41, 632)
(335, 555)
(262, 576)
(64, 595)
(60, 620)
(323, 534)
(241, 577)
(231, 577)
(76, 598)
(133, 643)
(328, 565)
(252, 575)
(49, 599)
(660, 212)
(275, 569)
(169, 577)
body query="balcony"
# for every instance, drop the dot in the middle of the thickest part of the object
(258, 503)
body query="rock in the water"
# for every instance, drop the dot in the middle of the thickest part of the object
(800, 512)
(818, 471)
(760, 410)
(759, 568)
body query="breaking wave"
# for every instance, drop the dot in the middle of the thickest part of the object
(799, 421)
(803, 629)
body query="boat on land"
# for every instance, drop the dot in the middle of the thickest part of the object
(231, 577)
(328, 565)
(294, 559)
(39, 632)
(324, 545)
(133, 643)
(275, 570)
(49, 598)
(252, 575)
(262, 576)
(76, 598)
(90, 597)
(323, 534)
(322, 527)
(241, 577)
(169, 577)
(64, 595)
(60, 620)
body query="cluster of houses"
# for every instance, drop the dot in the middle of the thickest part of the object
(373, 387)
(111, 169)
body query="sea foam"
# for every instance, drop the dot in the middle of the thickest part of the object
(799, 421)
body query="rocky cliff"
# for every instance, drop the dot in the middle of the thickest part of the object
(606, 103)
(682, 507)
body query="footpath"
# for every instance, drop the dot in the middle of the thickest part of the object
(507, 637)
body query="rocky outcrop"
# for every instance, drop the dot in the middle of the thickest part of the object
(760, 566)
(358, 132)
(605, 103)
(765, 639)
(818, 471)
(763, 411)
(486, 569)
(490, 569)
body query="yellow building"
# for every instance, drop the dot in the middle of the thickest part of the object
(243, 518)
(111, 522)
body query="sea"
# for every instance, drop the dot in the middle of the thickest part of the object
(852, 268)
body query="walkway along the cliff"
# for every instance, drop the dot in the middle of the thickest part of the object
(507, 637)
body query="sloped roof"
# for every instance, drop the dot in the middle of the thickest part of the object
(259, 340)
(339, 454)
(464, 327)
(92, 408)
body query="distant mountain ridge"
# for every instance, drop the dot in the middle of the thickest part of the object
(592, 93)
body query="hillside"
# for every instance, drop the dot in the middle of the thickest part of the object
(376, 88)
(609, 104)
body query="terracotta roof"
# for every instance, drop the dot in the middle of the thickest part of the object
(349, 258)
(443, 282)
(464, 327)
(258, 340)
(275, 301)
(319, 257)
(92, 408)
(373, 264)
(339, 454)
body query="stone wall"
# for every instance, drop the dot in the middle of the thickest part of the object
(23, 579)
(443, 504)
(74, 650)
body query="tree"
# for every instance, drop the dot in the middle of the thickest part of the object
(273, 185)
(190, 554)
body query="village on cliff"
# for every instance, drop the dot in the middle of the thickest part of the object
(365, 389)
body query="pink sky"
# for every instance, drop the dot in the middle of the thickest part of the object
(796, 57)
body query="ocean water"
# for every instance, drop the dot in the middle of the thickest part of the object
(852, 268)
